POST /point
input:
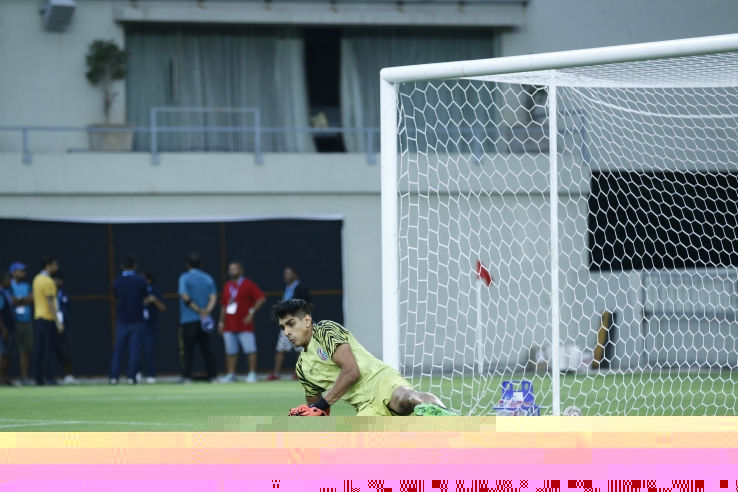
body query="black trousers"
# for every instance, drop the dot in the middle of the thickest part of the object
(191, 334)
(46, 337)
(63, 348)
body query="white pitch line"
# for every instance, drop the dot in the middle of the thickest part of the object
(35, 423)
(152, 398)
(22, 425)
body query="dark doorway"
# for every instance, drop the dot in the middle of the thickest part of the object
(323, 66)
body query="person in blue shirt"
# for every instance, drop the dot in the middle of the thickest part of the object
(7, 329)
(23, 302)
(131, 292)
(295, 290)
(63, 346)
(154, 304)
(197, 299)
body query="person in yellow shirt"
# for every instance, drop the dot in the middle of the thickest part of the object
(47, 322)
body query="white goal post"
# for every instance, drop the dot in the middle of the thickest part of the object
(559, 172)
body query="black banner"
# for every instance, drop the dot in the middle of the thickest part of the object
(663, 220)
(89, 254)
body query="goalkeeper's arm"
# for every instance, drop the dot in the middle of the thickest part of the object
(313, 399)
(344, 358)
(350, 373)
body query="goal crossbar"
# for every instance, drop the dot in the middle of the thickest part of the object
(563, 59)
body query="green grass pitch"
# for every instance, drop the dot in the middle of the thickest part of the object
(660, 393)
(172, 407)
(144, 408)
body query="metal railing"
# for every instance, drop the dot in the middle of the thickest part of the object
(698, 294)
(519, 139)
(512, 136)
(27, 156)
(689, 318)
(258, 157)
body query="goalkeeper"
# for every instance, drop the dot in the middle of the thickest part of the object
(332, 358)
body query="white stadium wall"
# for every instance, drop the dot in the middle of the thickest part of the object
(559, 25)
(43, 74)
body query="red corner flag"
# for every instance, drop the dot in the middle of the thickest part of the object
(483, 274)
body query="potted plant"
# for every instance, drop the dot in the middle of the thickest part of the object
(106, 62)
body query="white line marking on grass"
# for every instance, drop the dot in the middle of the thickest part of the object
(22, 425)
(35, 423)
(158, 398)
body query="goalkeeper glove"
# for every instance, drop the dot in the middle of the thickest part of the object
(319, 409)
(306, 411)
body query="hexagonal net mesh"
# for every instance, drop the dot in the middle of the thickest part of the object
(647, 213)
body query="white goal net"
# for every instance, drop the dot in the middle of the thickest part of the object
(641, 234)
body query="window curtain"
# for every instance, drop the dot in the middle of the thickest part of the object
(364, 52)
(218, 67)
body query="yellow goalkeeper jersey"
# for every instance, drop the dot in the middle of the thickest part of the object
(317, 372)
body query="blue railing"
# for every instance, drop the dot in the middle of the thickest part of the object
(27, 156)
(256, 129)
(154, 130)
(479, 133)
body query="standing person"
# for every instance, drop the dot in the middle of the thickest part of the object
(154, 304)
(46, 322)
(240, 301)
(22, 300)
(130, 291)
(197, 299)
(63, 347)
(7, 329)
(295, 290)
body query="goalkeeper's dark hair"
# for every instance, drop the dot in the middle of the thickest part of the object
(291, 307)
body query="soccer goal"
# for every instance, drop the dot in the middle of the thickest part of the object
(569, 219)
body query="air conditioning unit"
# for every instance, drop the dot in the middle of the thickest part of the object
(58, 14)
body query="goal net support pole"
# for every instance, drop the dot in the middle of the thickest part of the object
(390, 216)
(480, 325)
(553, 136)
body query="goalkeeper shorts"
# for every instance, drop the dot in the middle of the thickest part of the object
(387, 382)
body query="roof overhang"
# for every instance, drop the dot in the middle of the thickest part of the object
(489, 13)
